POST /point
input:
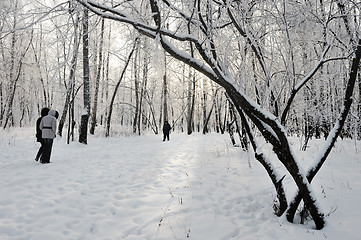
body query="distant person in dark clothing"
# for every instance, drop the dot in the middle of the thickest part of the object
(39, 138)
(166, 130)
(48, 130)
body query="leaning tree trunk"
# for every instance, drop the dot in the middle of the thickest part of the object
(83, 131)
(281, 148)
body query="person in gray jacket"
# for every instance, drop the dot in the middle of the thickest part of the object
(38, 135)
(48, 133)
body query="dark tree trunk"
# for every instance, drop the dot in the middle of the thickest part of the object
(165, 92)
(230, 127)
(191, 102)
(191, 96)
(359, 107)
(136, 89)
(83, 131)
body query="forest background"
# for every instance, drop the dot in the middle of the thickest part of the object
(290, 66)
(41, 66)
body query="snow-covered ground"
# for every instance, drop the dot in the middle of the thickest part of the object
(138, 187)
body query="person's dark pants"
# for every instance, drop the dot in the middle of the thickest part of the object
(165, 136)
(48, 144)
(40, 152)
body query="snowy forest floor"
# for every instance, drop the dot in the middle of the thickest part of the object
(138, 187)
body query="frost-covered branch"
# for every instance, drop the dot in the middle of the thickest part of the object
(302, 83)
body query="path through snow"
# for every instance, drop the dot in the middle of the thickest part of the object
(192, 187)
